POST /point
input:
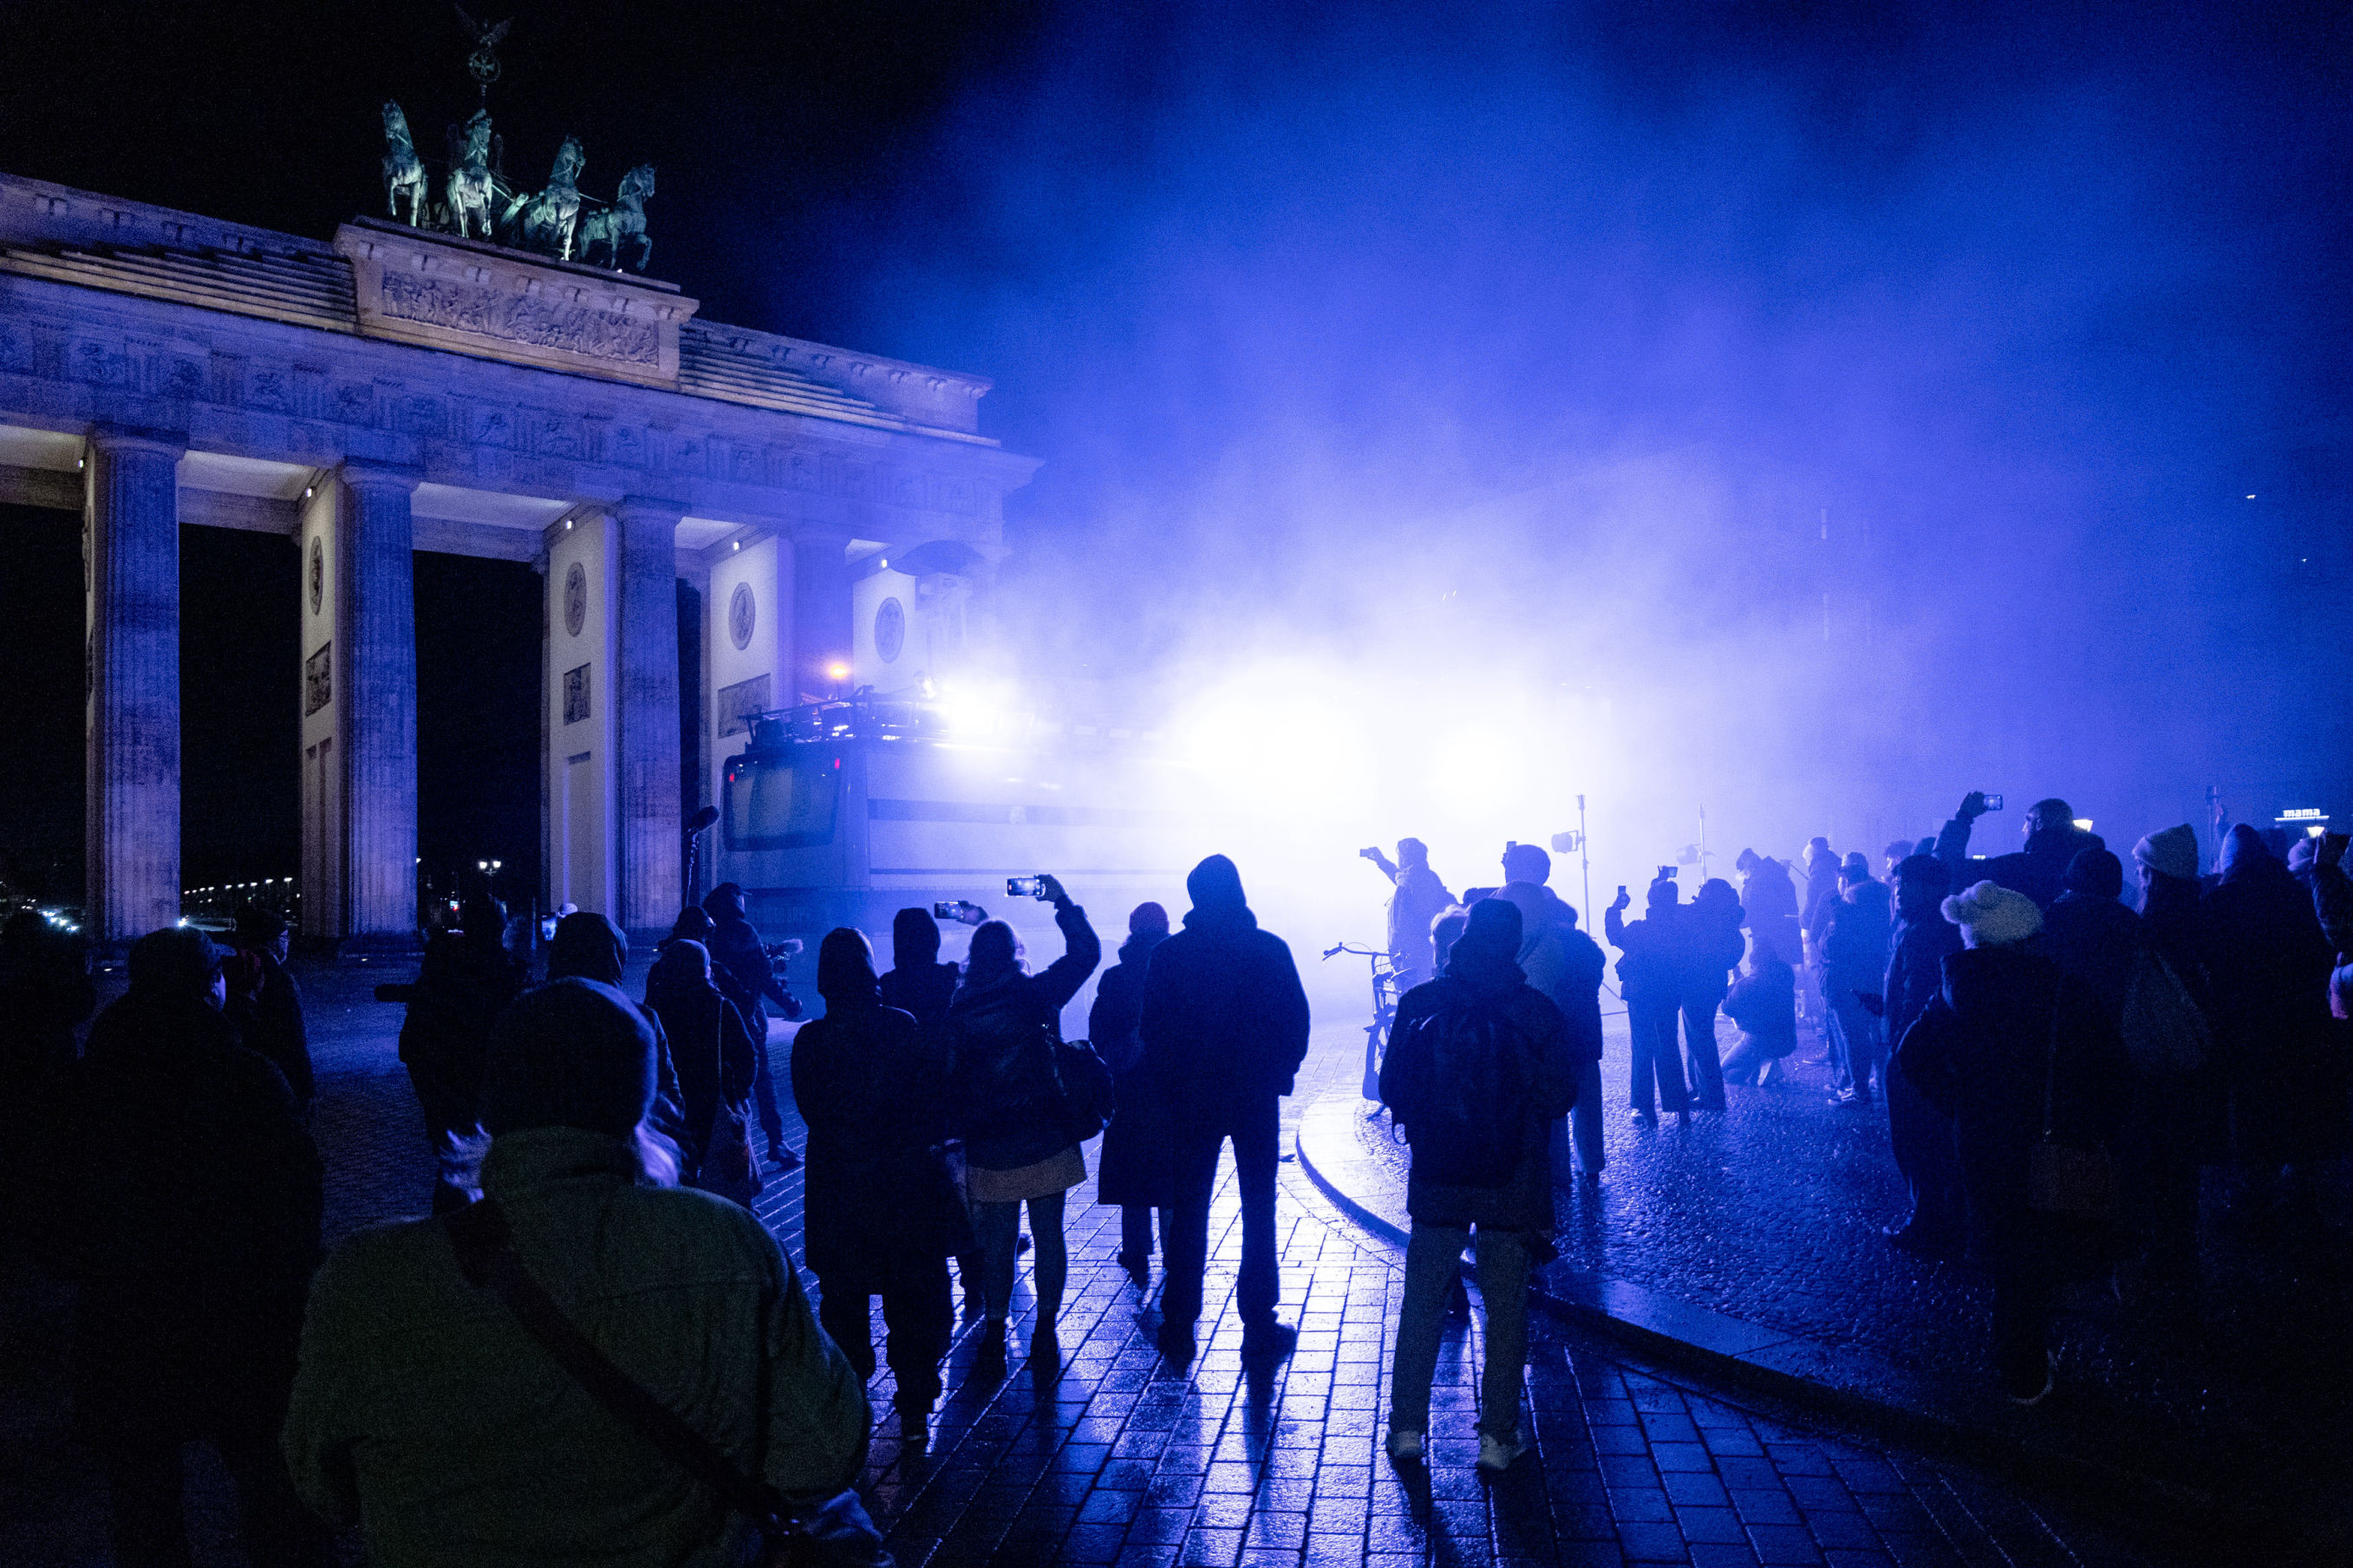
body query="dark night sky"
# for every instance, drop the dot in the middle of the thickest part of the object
(2030, 298)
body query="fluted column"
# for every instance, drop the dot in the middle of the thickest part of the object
(646, 686)
(378, 635)
(821, 629)
(131, 567)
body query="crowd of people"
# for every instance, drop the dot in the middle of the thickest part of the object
(2056, 1063)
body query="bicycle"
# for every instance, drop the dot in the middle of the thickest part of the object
(1385, 1005)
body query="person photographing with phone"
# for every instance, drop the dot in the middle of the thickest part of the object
(2039, 869)
(1003, 1034)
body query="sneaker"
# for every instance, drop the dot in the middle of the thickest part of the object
(781, 1158)
(1269, 1341)
(1496, 1454)
(1641, 1118)
(1405, 1446)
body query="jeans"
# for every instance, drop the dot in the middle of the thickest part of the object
(1657, 1057)
(1699, 1045)
(1253, 1122)
(1432, 1258)
(763, 1084)
(916, 1318)
(1921, 1138)
(998, 1225)
(1856, 1051)
(1751, 1057)
(143, 1479)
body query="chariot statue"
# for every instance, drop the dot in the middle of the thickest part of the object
(470, 188)
(546, 220)
(404, 171)
(616, 237)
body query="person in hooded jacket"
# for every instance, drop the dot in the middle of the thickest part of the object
(1568, 966)
(1224, 1029)
(710, 1050)
(2088, 932)
(741, 964)
(2039, 869)
(1763, 1003)
(1133, 1171)
(195, 1198)
(2283, 1054)
(1506, 1223)
(265, 1003)
(882, 1212)
(588, 946)
(1855, 945)
(466, 981)
(1004, 1100)
(2013, 1045)
(1650, 977)
(1919, 1135)
(1769, 897)
(919, 984)
(1711, 949)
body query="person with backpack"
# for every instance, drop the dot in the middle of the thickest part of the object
(1008, 1103)
(1477, 1071)
(1650, 976)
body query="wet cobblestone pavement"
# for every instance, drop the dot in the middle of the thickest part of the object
(1111, 1457)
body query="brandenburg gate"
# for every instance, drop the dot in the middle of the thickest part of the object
(395, 390)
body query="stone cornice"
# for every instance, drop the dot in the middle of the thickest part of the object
(115, 438)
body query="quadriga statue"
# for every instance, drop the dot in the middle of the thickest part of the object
(471, 190)
(546, 220)
(404, 171)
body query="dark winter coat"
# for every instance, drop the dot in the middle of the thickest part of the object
(462, 988)
(1822, 897)
(1770, 899)
(1420, 899)
(2039, 870)
(2097, 941)
(1712, 946)
(1981, 1056)
(1651, 970)
(1561, 962)
(922, 991)
(741, 966)
(270, 1021)
(1003, 1098)
(1537, 1029)
(1764, 1004)
(711, 1051)
(871, 1084)
(195, 1196)
(1224, 1015)
(1915, 970)
(2282, 1053)
(1855, 941)
(1133, 1161)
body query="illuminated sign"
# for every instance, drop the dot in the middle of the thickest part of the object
(2301, 813)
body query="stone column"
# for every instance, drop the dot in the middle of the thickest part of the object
(131, 568)
(378, 635)
(821, 629)
(645, 682)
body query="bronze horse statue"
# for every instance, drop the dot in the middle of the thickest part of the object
(545, 220)
(607, 237)
(404, 171)
(471, 189)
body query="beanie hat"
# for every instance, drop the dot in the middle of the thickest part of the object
(1148, 916)
(178, 962)
(587, 946)
(1926, 871)
(2172, 853)
(1990, 915)
(2303, 854)
(1526, 863)
(573, 1053)
(2095, 874)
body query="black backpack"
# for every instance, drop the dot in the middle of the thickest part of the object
(1457, 1082)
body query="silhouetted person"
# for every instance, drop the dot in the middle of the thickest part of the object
(2089, 934)
(1478, 1072)
(1421, 894)
(427, 1414)
(2039, 869)
(1919, 1135)
(1895, 854)
(464, 983)
(2014, 1045)
(1822, 867)
(1855, 943)
(1568, 966)
(264, 1002)
(1224, 1029)
(711, 1052)
(1711, 949)
(1005, 1101)
(881, 1211)
(588, 946)
(44, 993)
(740, 966)
(2181, 1119)
(1650, 977)
(1763, 1005)
(1769, 901)
(918, 984)
(2282, 1053)
(1134, 1171)
(195, 1197)
(691, 925)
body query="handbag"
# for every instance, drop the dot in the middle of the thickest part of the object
(2061, 1179)
(1082, 1086)
(729, 1168)
(837, 1533)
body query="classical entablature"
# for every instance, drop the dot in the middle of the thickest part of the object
(396, 389)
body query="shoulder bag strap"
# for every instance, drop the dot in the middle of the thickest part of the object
(485, 1253)
(2051, 1061)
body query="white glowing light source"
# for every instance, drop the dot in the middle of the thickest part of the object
(2082, 825)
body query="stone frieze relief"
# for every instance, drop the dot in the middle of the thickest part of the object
(520, 317)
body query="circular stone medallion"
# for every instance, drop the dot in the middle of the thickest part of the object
(575, 598)
(890, 629)
(742, 613)
(317, 573)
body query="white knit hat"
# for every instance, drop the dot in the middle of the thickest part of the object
(1990, 915)
(2172, 853)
